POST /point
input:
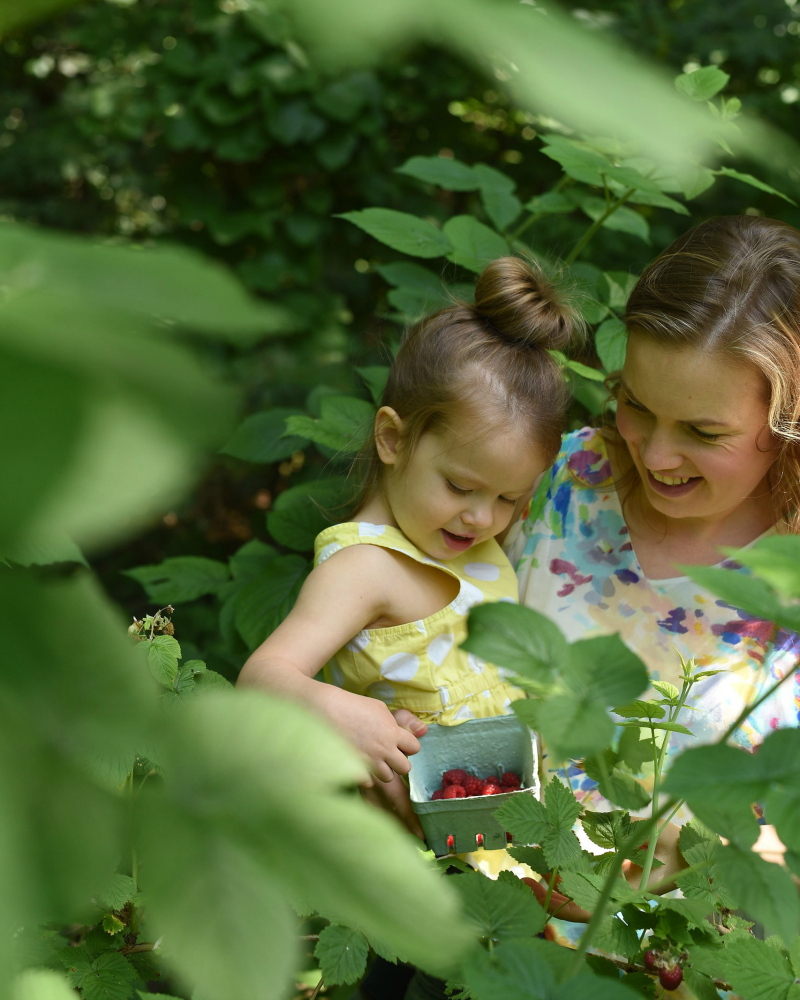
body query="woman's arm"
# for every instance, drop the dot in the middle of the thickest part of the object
(340, 598)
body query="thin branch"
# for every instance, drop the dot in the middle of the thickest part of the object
(597, 224)
(135, 949)
(317, 990)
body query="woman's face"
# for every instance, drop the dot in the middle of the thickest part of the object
(696, 427)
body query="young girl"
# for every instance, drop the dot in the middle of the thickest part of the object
(472, 415)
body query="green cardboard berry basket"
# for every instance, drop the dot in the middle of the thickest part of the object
(481, 747)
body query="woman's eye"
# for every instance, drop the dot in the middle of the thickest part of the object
(704, 435)
(456, 489)
(634, 405)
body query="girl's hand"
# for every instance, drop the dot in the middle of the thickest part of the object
(559, 906)
(409, 721)
(393, 797)
(369, 724)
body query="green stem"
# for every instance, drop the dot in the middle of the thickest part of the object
(553, 877)
(527, 223)
(667, 820)
(572, 256)
(658, 760)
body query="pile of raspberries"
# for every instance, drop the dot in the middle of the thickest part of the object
(457, 784)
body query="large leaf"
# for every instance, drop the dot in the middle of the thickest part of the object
(264, 602)
(180, 578)
(623, 219)
(764, 891)
(301, 512)
(262, 437)
(753, 182)
(344, 424)
(447, 173)
(230, 826)
(342, 954)
(775, 560)
(517, 638)
(611, 341)
(401, 231)
(499, 910)
(702, 84)
(754, 969)
(474, 245)
(497, 194)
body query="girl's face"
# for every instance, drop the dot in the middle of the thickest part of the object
(459, 486)
(696, 427)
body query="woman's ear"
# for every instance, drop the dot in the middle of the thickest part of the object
(388, 434)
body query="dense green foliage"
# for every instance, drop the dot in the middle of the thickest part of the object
(153, 825)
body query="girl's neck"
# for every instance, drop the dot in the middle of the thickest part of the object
(376, 510)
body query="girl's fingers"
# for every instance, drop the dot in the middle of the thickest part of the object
(383, 772)
(407, 720)
(407, 744)
(398, 762)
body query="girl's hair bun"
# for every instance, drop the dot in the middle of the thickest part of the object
(522, 306)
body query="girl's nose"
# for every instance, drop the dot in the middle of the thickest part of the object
(478, 516)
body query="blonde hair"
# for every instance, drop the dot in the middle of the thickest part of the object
(732, 284)
(497, 348)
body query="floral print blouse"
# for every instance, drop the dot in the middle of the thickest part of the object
(575, 563)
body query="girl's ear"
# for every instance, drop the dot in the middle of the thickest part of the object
(388, 434)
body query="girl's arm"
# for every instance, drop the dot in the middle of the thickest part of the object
(340, 597)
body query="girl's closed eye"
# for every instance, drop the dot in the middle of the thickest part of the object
(457, 489)
(704, 435)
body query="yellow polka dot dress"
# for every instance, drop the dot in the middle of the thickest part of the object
(420, 665)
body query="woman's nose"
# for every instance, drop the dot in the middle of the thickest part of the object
(659, 450)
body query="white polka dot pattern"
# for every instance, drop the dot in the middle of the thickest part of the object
(468, 596)
(483, 571)
(463, 713)
(444, 694)
(440, 647)
(475, 663)
(400, 666)
(359, 642)
(327, 552)
(382, 691)
(367, 530)
(421, 627)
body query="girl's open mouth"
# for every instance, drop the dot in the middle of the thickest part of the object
(459, 543)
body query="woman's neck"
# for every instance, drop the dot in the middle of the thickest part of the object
(662, 544)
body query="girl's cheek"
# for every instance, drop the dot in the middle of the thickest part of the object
(626, 422)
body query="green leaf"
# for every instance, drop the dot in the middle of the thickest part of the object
(640, 709)
(753, 968)
(524, 817)
(702, 84)
(264, 602)
(474, 245)
(41, 984)
(497, 194)
(615, 936)
(107, 977)
(163, 653)
(444, 172)
(261, 437)
(249, 561)
(605, 669)
(119, 891)
(620, 788)
(516, 970)
(43, 550)
(738, 589)
(775, 560)
(301, 512)
(573, 725)
(633, 749)
(405, 274)
(764, 891)
(753, 182)
(401, 231)
(517, 638)
(342, 954)
(375, 377)
(180, 579)
(611, 341)
(550, 203)
(498, 910)
(533, 857)
(719, 783)
(576, 160)
(622, 219)
(344, 425)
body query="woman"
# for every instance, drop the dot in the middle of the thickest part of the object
(705, 455)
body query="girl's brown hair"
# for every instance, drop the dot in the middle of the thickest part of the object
(495, 351)
(732, 284)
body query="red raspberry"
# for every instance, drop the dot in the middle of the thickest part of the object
(492, 789)
(454, 777)
(650, 959)
(454, 792)
(472, 785)
(671, 978)
(510, 780)
(438, 794)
